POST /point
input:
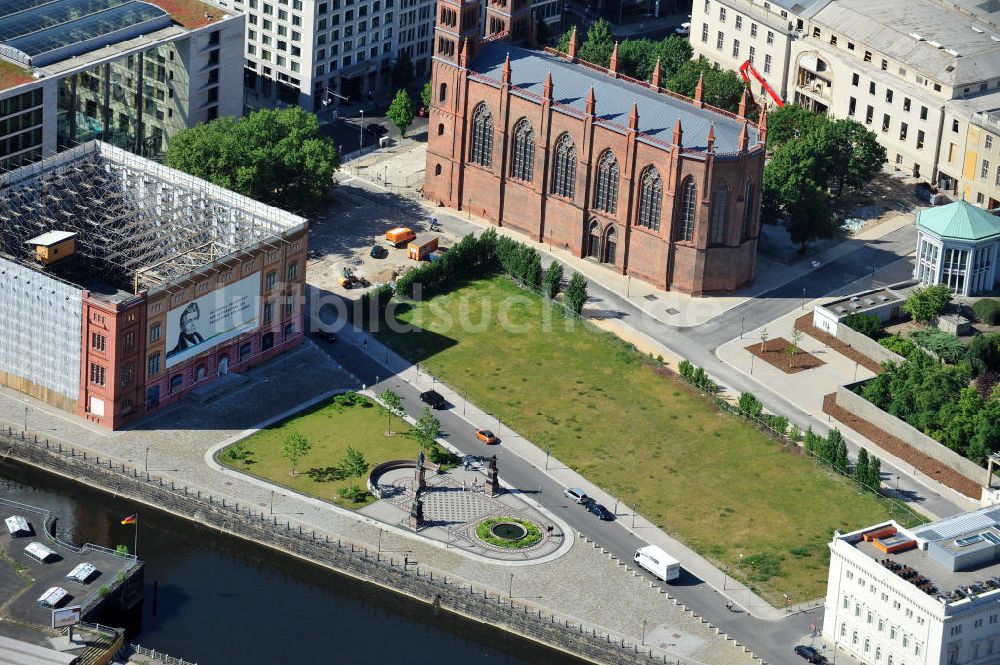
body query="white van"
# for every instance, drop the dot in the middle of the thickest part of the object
(658, 562)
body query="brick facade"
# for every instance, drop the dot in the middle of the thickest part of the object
(661, 256)
(117, 381)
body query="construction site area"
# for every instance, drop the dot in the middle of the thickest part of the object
(120, 269)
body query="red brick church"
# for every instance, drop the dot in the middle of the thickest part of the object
(654, 185)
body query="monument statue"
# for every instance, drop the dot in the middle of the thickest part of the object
(492, 481)
(417, 513)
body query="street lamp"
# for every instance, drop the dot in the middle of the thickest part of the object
(272, 502)
(510, 590)
(361, 132)
(146, 465)
(25, 419)
(644, 632)
(380, 540)
(803, 298)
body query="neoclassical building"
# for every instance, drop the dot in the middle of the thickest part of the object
(654, 185)
(958, 245)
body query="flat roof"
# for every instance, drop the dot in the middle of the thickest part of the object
(864, 301)
(939, 41)
(16, 652)
(50, 238)
(969, 542)
(613, 98)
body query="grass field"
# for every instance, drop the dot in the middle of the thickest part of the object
(330, 428)
(709, 478)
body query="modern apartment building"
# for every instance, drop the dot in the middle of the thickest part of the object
(127, 72)
(323, 52)
(924, 75)
(923, 596)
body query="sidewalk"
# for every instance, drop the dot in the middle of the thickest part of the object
(517, 444)
(806, 389)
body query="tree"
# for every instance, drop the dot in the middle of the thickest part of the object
(563, 44)
(427, 429)
(853, 153)
(926, 303)
(553, 279)
(425, 95)
(401, 111)
(722, 88)
(576, 293)
(599, 44)
(402, 70)
(789, 123)
(986, 439)
(809, 217)
(793, 348)
(868, 325)
(861, 468)
(763, 339)
(353, 464)
(277, 157)
(750, 405)
(874, 473)
(295, 447)
(390, 404)
(533, 270)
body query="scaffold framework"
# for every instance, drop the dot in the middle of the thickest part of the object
(139, 224)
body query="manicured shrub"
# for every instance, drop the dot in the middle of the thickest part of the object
(987, 310)
(866, 324)
(898, 344)
(750, 405)
(944, 345)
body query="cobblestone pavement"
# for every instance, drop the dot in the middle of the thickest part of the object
(583, 584)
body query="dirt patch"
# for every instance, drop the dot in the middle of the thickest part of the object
(775, 353)
(896, 446)
(804, 323)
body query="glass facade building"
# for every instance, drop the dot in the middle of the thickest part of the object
(21, 129)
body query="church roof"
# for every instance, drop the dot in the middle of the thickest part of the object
(959, 221)
(571, 82)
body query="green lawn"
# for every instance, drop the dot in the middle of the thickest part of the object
(330, 428)
(707, 477)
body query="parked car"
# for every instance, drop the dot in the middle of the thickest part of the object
(684, 29)
(486, 436)
(601, 512)
(376, 129)
(378, 251)
(576, 494)
(433, 399)
(809, 654)
(326, 336)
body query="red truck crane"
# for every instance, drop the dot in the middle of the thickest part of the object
(748, 66)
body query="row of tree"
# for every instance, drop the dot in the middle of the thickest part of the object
(812, 156)
(637, 58)
(489, 252)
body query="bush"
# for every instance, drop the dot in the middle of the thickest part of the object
(987, 310)
(866, 324)
(686, 369)
(898, 344)
(944, 345)
(928, 302)
(750, 405)
(374, 302)
(576, 293)
(778, 423)
(553, 280)
(353, 494)
(534, 534)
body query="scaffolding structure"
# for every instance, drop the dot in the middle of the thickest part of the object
(139, 225)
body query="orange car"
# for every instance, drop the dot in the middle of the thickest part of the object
(486, 437)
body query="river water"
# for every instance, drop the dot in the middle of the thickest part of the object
(221, 601)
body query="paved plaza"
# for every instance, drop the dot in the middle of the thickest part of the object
(455, 502)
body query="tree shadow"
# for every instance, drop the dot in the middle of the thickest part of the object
(327, 474)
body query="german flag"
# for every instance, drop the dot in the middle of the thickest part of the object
(131, 519)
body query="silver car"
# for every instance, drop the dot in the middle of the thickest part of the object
(576, 494)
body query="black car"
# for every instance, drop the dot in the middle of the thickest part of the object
(599, 510)
(809, 654)
(326, 336)
(433, 399)
(378, 251)
(376, 130)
